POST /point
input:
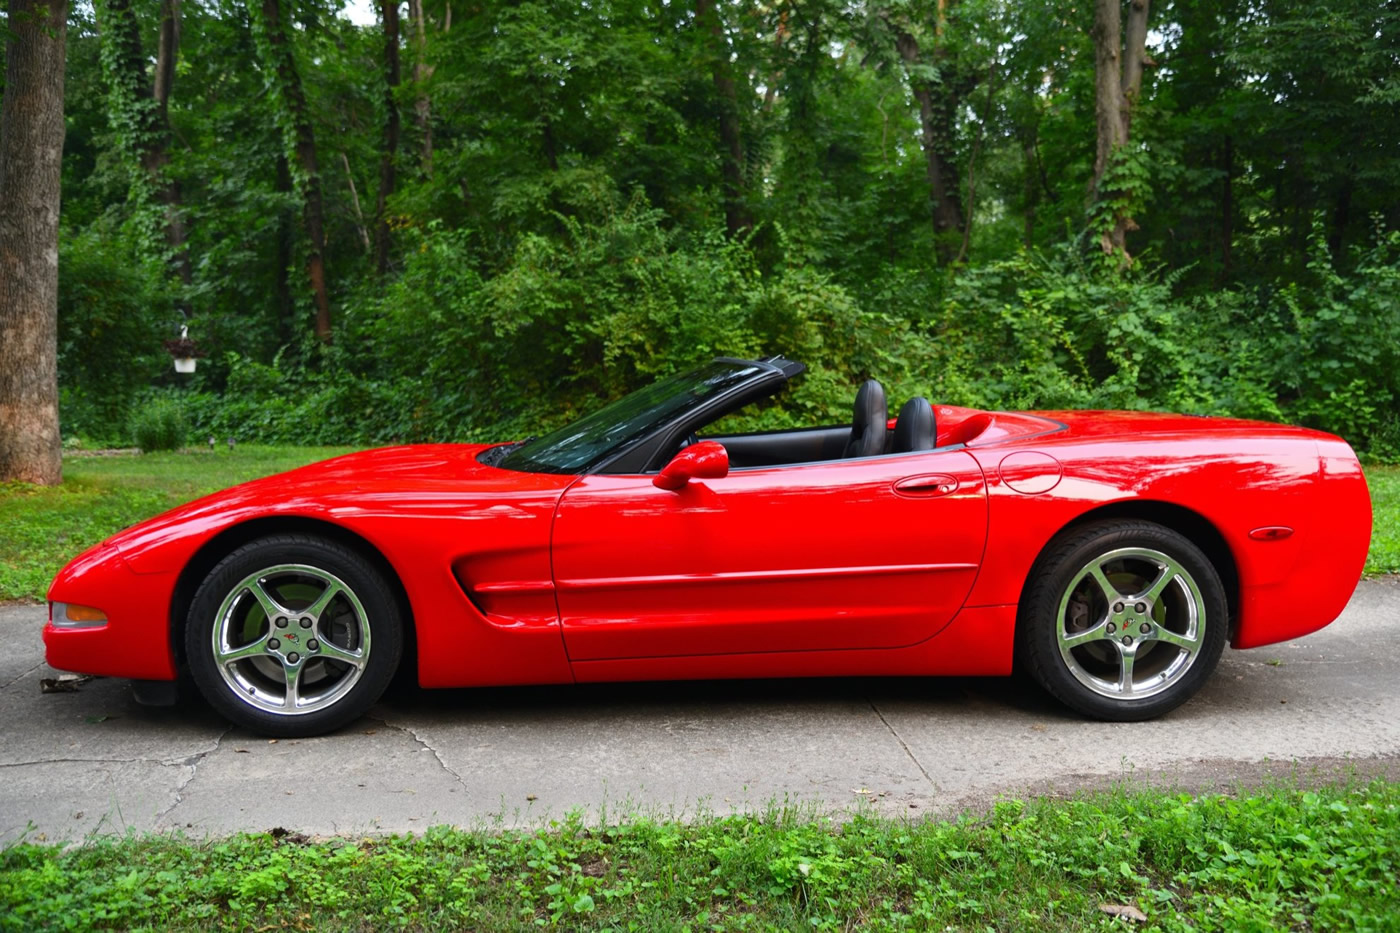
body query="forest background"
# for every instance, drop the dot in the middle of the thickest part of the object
(467, 219)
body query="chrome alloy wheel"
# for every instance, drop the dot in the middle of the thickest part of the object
(291, 639)
(1131, 623)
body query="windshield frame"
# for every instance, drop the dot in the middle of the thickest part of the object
(638, 452)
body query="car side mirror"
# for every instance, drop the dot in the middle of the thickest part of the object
(703, 460)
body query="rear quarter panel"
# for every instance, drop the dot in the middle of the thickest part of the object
(1238, 476)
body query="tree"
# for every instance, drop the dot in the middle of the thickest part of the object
(940, 82)
(31, 166)
(422, 72)
(391, 134)
(1118, 65)
(300, 137)
(139, 114)
(736, 215)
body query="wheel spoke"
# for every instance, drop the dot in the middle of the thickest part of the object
(319, 606)
(1110, 592)
(1074, 640)
(1190, 645)
(336, 653)
(254, 649)
(1127, 657)
(1164, 579)
(269, 605)
(293, 672)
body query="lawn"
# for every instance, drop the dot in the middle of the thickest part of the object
(42, 528)
(1385, 505)
(1284, 858)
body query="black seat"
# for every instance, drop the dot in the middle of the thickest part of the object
(916, 428)
(868, 425)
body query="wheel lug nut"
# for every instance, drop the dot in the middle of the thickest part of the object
(1112, 628)
(306, 622)
(1127, 640)
(1117, 607)
(1146, 628)
(1141, 607)
(274, 644)
(294, 657)
(312, 645)
(281, 621)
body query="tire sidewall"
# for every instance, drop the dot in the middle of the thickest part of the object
(1056, 570)
(382, 616)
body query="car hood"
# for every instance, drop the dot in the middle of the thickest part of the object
(440, 480)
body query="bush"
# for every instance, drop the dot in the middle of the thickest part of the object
(113, 312)
(159, 425)
(615, 299)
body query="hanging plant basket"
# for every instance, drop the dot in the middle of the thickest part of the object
(184, 351)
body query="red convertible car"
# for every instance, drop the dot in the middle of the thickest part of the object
(1111, 554)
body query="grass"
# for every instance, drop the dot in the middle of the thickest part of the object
(42, 528)
(1384, 556)
(1284, 858)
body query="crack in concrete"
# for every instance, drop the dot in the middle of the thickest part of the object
(22, 676)
(904, 745)
(192, 762)
(164, 762)
(411, 733)
(169, 762)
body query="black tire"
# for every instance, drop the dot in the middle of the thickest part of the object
(1071, 632)
(327, 636)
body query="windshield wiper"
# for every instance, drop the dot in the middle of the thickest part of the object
(495, 455)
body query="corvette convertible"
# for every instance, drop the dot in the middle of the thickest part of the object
(1111, 555)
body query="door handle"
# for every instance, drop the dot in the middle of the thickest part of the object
(926, 485)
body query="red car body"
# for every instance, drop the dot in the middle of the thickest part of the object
(907, 564)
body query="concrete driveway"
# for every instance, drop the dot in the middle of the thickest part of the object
(93, 761)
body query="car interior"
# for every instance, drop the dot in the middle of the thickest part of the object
(870, 434)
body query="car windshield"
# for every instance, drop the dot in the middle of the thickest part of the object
(587, 442)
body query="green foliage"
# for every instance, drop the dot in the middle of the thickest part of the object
(1342, 363)
(110, 328)
(1280, 858)
(45, 526)
(159, 424)
(563, 245)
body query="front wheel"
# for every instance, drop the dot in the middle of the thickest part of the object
(293, 635)
(1123, 620)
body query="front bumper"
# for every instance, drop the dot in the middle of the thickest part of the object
(135, 642)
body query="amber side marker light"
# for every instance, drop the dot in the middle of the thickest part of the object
(70, 615)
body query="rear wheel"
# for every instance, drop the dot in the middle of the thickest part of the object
(1123, 620)
(293, 635)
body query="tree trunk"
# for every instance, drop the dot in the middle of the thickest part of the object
(140, 114)
(1031, 188)
(937, 119)
(1117, 85)
(287, 325)
(391, 135)
(303, 141)
(168, 188)
(31, 162)
(736, 216)
(1227, 211)
(422, 71)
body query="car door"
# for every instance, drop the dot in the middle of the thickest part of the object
(870, 553)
